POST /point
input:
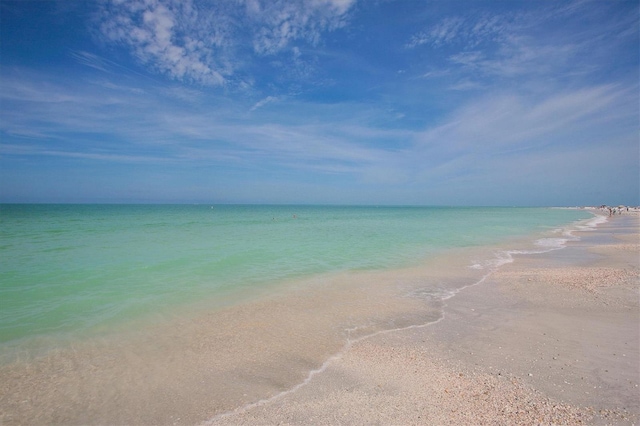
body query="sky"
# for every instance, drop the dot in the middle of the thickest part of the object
(528, 103)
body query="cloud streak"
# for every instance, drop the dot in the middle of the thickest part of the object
(152, 123)
(528, 43)
(494, 140)
(160, 35)
(279, 22)
(263, 102)
(189, 42)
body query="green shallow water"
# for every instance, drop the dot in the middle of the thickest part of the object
(74, 268)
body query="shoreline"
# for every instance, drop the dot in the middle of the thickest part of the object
(505, 351)
(305, 341)
(61, 263)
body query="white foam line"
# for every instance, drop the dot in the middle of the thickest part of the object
(350, 342)
(265, 401)
(500, 261)
(315, 372)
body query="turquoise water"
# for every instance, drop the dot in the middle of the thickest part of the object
(73, 268)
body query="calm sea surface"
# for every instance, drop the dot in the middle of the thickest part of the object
(68, 269)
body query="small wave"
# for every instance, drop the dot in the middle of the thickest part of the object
(348, 344)
(500, 258)
(592, 223)
(552, 243)
(545, 245)
(433, 294)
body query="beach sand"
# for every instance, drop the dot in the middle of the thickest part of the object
(551, 338)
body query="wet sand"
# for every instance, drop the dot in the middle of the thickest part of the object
(550, 338)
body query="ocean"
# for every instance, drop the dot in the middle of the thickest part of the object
(70, 271)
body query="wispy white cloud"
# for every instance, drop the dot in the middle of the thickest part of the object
(528, 42)
(497, 124)
(466, 84)
(573, 141)
(200, 42)
(38, 150)
(98, 121)
(169, 126)
(167, 36)
(510, 140)
(263, 102)
(91, 60)
(465, 32)
(443, 33)
(281, 21)
(519, 56)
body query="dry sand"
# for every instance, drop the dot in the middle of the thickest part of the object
(549, 339)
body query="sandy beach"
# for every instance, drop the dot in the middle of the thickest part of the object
(549, 339)
(319, 212)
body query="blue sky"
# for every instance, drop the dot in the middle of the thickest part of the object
(320, 101)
